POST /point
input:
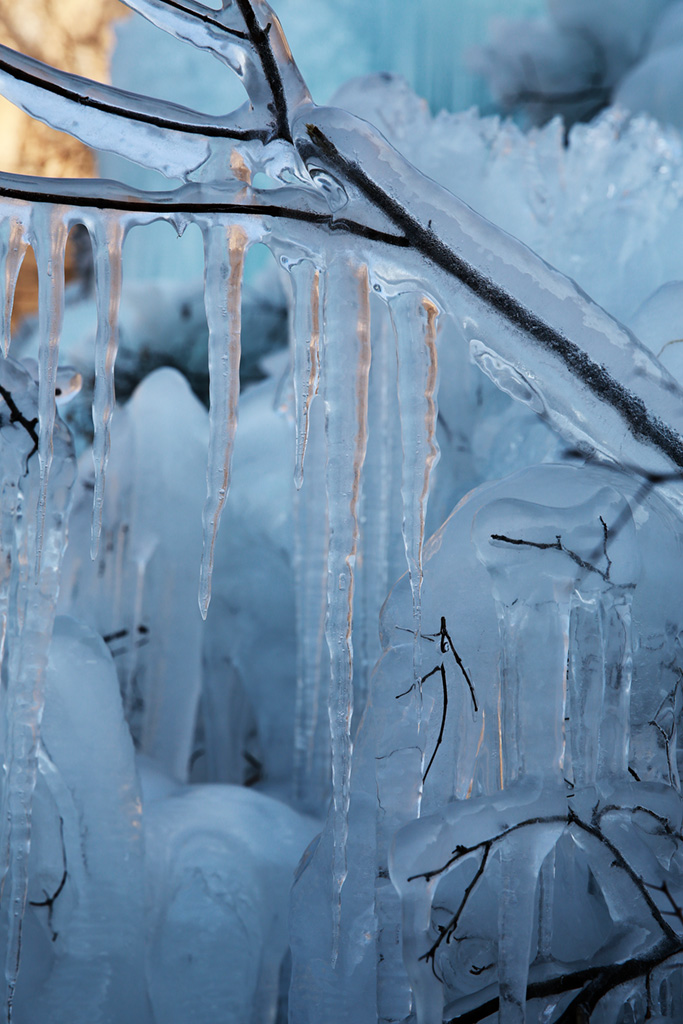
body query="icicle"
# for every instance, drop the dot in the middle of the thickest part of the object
(346, 366)
(107, 236)
(50, 229)
(13, 247)
(225, 249)
(415, 327)
(306, 338)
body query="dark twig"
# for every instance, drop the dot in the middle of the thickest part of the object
(444, 711)
(676, 911)
(605, 538)
(16, 416)
(448, 931)
(621, 862)
(444, 688)
(461, 851)
(556, 546)
(445, 645)
(49, 901)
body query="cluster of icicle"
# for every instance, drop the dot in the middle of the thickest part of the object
(349, 219)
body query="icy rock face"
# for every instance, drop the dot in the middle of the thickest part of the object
(85, 922)
(148, 901)
(139, 593)
(219, 865)
(250, 654)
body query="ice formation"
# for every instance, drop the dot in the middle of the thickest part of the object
(579, 57)
(504, 831)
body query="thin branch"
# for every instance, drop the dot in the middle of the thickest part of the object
(621, 862)
(49, 901)
(580, 1009)
(444, 713)
(448, 931)
(663, 822)
(605, 538)
(446, 645)
(676, 911)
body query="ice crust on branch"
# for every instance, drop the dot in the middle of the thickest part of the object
(453, 772)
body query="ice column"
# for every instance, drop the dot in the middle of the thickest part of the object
(537, 557)
(345, 366)
(29, 596)
(600, 663)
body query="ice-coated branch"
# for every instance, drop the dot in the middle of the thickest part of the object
(155, 133)
(646, 426)
(248, 38)
(586, 373)
(594, 982)
(190, 201)
(556, 545)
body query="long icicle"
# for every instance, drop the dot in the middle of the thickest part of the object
(225, 249)
(378, 508)
(346, 367)
(415, 325)
(107, 235)
(50, 229)
(12, 251)
(306, 341)
(311, 731)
